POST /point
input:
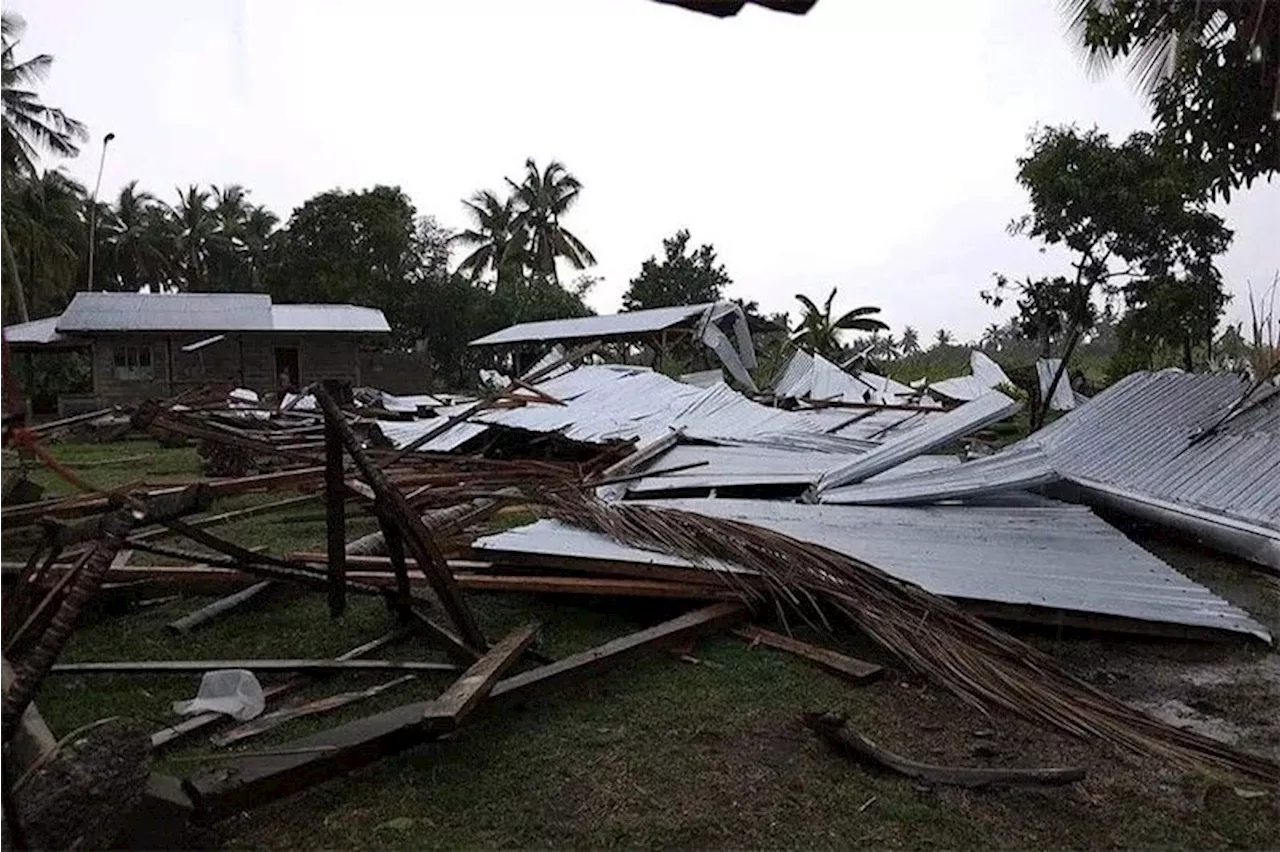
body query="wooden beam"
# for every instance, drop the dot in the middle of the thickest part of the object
(606, 586)
(418, 537)
(151, 667)
(276, 718)
(221, 606)
(455, 705)
(335, 498)
(858, 671)
(164, 736)
(236, 785)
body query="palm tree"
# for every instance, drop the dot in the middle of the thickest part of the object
(137, 242)
(492, 236)
(195, 229)
(540, 203)
(819, 332)
(910, 341)
(44, 231)
(943, 337)
(258, 232)
(992, 336)
(27, 127)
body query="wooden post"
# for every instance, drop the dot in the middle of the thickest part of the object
(419, 540)
(395, 552)
(335, 495)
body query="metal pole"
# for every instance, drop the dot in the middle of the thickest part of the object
(93, 207)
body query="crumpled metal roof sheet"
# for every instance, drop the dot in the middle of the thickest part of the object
(166, 312)
(1025, 467)
(989, 408)
(611, 402)
(985, 374)
(609, 325)
(353, 319)
(810, 376)
(1055, 556)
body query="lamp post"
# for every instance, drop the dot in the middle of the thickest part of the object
(93, 208)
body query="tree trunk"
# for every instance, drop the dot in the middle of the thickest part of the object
(17, 280)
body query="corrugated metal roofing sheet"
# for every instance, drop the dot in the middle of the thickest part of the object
(347, 318)
(610, 402)
(612, 325)
(166, 312)
(39, 332)
(1024, 467)
(810, 376)
(989, 408)
(1057, 556)
(985, 374)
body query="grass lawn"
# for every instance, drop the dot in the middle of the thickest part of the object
(663, 752)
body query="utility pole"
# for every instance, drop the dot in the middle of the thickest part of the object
(93, 208)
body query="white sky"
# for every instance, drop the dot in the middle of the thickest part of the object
(865, 145)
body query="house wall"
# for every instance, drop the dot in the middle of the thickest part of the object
(239, 360)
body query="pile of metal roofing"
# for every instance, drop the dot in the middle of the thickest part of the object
(809, 376)
(984, 375)
(1197, 453)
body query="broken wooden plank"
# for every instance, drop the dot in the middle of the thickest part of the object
(140, 667)
(221, 606)
(275, 719)
(457, 702)
(832, 729)
(858, 671)
(164, 736)
(605, 586)
(236, 785)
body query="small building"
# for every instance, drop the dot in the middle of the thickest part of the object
(157, 345)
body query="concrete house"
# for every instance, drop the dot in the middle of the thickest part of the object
(156, 345)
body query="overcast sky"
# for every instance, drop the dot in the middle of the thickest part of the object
(869, 146)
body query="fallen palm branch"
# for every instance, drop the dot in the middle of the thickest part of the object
(979, 663)
(834, 732)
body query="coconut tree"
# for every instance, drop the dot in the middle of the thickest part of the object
(195, 228)
(820, 332)
(540, 202)
(943, 338)
(910, 341)
(27, 128)
(44, 230)
(494, 238)
(137, 241)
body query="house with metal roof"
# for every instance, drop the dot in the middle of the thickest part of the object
(156, 345)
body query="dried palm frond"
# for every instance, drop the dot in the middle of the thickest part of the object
(982, 665)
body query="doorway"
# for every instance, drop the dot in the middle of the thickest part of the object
(287, 377)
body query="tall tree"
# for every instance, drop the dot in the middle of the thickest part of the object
(943, 338)
(195, 228)
(820, 331)
(495, 242)
(27, 128)
(1211, 69)
(910, 341)
(45, 238)
(1135, 225)
(681, 278)
(541, 200)
(137, 242)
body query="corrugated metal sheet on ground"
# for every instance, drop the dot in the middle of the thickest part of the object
(611, 402)
(989, 408)
(167, 312)
(1059, 557)
(610, 325)
(349, 318)
(1024, 467)
(756, 464)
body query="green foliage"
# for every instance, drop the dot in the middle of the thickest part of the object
(682, 277)
(1210, 68)
(46, 377)
(819, 331)
(29, 126)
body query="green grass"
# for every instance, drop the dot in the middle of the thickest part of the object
(658, 753)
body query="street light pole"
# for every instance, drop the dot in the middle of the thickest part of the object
(93, 208)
